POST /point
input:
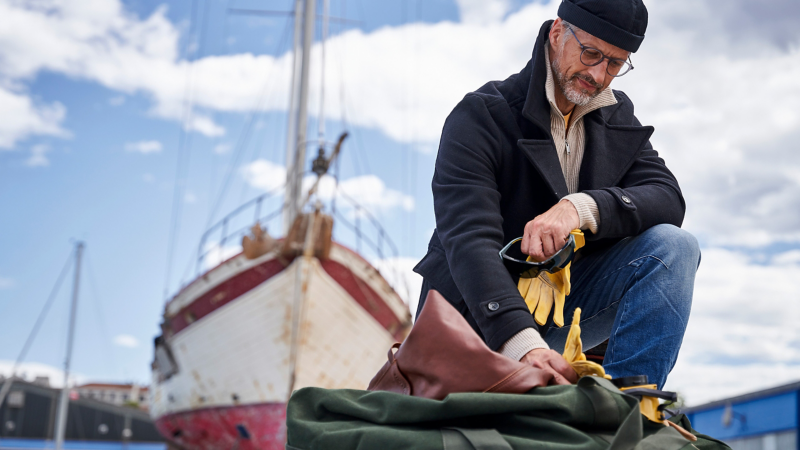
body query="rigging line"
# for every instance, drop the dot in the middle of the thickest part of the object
(404, 175)
(363, 149)
(244, 137)
(272, 13)
(414, 136)
(100, 314)
(342, 95)
(42, 315)
(321, 116)
(184, 152)
(361, 12)
(260, 144)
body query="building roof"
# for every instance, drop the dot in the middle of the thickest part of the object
(110, 386)
(795, 386)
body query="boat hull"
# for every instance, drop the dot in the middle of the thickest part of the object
(245, 427)
(241, 345)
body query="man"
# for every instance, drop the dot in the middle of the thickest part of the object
(546, 151)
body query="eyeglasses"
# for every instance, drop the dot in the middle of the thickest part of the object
(531, 269)
(592, 57)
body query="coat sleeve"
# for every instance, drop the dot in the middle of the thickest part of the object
(469, 222)
(647, 195)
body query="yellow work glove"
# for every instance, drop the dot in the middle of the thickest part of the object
(573, 351)
(549, 289)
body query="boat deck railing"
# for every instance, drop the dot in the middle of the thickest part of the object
(359, 229)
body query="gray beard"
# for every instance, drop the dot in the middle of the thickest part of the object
(570, 87)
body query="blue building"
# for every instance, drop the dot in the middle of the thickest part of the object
(763, 420)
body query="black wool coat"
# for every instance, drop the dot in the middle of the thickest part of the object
(497, 169)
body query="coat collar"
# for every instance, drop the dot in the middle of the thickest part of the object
(610, 149)
(537, 108)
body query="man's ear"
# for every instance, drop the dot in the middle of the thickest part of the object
(556, 32)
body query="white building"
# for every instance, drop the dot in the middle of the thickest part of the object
(117, 394)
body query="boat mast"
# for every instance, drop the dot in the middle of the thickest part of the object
(61, 421)
(296, 139)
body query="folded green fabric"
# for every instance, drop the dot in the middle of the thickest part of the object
(590, 415)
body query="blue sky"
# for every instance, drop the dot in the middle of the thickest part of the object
(92, 121)
(119, 201)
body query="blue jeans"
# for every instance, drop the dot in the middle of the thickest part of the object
(638, 295)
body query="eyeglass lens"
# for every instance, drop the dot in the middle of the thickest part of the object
(615, 68)
(592, 57)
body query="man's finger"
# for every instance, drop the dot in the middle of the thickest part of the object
(559, 242)
(547, 246)
(557, 377)
(535, 249)
(561, 366)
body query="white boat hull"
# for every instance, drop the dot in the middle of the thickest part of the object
(234, 353)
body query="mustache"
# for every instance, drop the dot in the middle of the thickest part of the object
(589, 80)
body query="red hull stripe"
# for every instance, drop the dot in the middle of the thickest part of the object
(224, 293)
(232, 288)
(365, 296)
(244, 427)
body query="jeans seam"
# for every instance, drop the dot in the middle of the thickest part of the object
(650, 256)
(610, 349)
(630, 264)
(600, 312)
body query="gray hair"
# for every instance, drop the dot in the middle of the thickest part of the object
(572, 27)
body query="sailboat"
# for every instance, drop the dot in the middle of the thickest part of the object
(281, 314)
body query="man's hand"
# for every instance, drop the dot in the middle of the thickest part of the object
(548, 232)
(550, 361)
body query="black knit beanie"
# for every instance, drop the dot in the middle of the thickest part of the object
(619, 22)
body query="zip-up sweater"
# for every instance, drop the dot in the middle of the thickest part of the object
(570, 141)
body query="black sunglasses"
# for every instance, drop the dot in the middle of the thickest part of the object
(531, 269)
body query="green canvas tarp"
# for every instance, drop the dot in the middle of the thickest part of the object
(590, 415)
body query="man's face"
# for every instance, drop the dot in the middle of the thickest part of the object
(578, 82)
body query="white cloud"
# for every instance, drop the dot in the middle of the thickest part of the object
(38, 156)
(148, 178)
(789, 257)
(144, 147)
(6, 283)
(482, 11)
(21, 117)
(730, 148)
(399, 273)
(126, 340)
(262, 174)
(118, 100)
(30, 370)
(206, 126)
(743, 323)
(407, 96)
(728, 145)
(368, 191)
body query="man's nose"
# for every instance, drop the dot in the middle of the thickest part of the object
(598, 72)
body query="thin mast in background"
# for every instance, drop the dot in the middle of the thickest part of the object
(61, 421)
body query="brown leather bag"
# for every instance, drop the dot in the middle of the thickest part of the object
(444, 355)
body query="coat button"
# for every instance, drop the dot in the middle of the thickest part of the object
(626, 199)
(493, 306)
